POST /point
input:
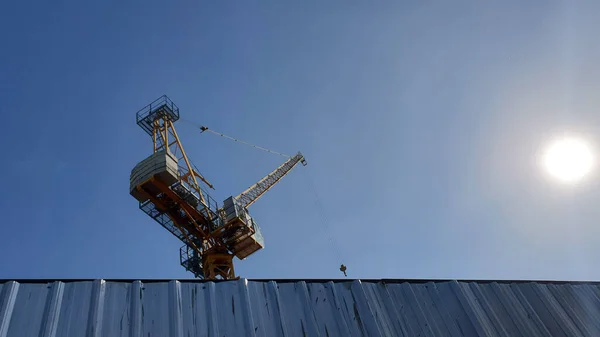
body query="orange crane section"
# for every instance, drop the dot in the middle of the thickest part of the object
(168, 189)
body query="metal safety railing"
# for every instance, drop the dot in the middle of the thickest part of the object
(161, 107)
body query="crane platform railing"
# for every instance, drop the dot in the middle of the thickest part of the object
(161, 107)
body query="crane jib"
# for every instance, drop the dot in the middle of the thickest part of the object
(249, 196)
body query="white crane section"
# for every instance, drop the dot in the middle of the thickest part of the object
(249, 196)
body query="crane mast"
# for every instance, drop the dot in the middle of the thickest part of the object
(168, 190)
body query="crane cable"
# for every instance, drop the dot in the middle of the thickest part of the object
(318, 202)
(325, 220)
(204, 128)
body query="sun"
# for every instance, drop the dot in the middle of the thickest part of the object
(568, 159)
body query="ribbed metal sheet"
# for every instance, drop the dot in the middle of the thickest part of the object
(298, 308)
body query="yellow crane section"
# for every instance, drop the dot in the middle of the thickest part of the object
(167, 188)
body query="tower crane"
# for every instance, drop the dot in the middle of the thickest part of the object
(171, 191)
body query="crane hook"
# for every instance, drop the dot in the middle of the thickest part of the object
(343, 270)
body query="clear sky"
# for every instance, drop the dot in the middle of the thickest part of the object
(422, 123)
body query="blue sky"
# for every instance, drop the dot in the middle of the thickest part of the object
(422, 124)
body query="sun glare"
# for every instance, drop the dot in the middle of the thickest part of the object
(568, 159)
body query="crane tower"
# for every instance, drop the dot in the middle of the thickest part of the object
(173, 193)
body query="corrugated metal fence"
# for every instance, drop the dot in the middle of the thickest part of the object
(298, 308)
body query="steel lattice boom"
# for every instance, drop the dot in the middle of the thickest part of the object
(249, 196)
